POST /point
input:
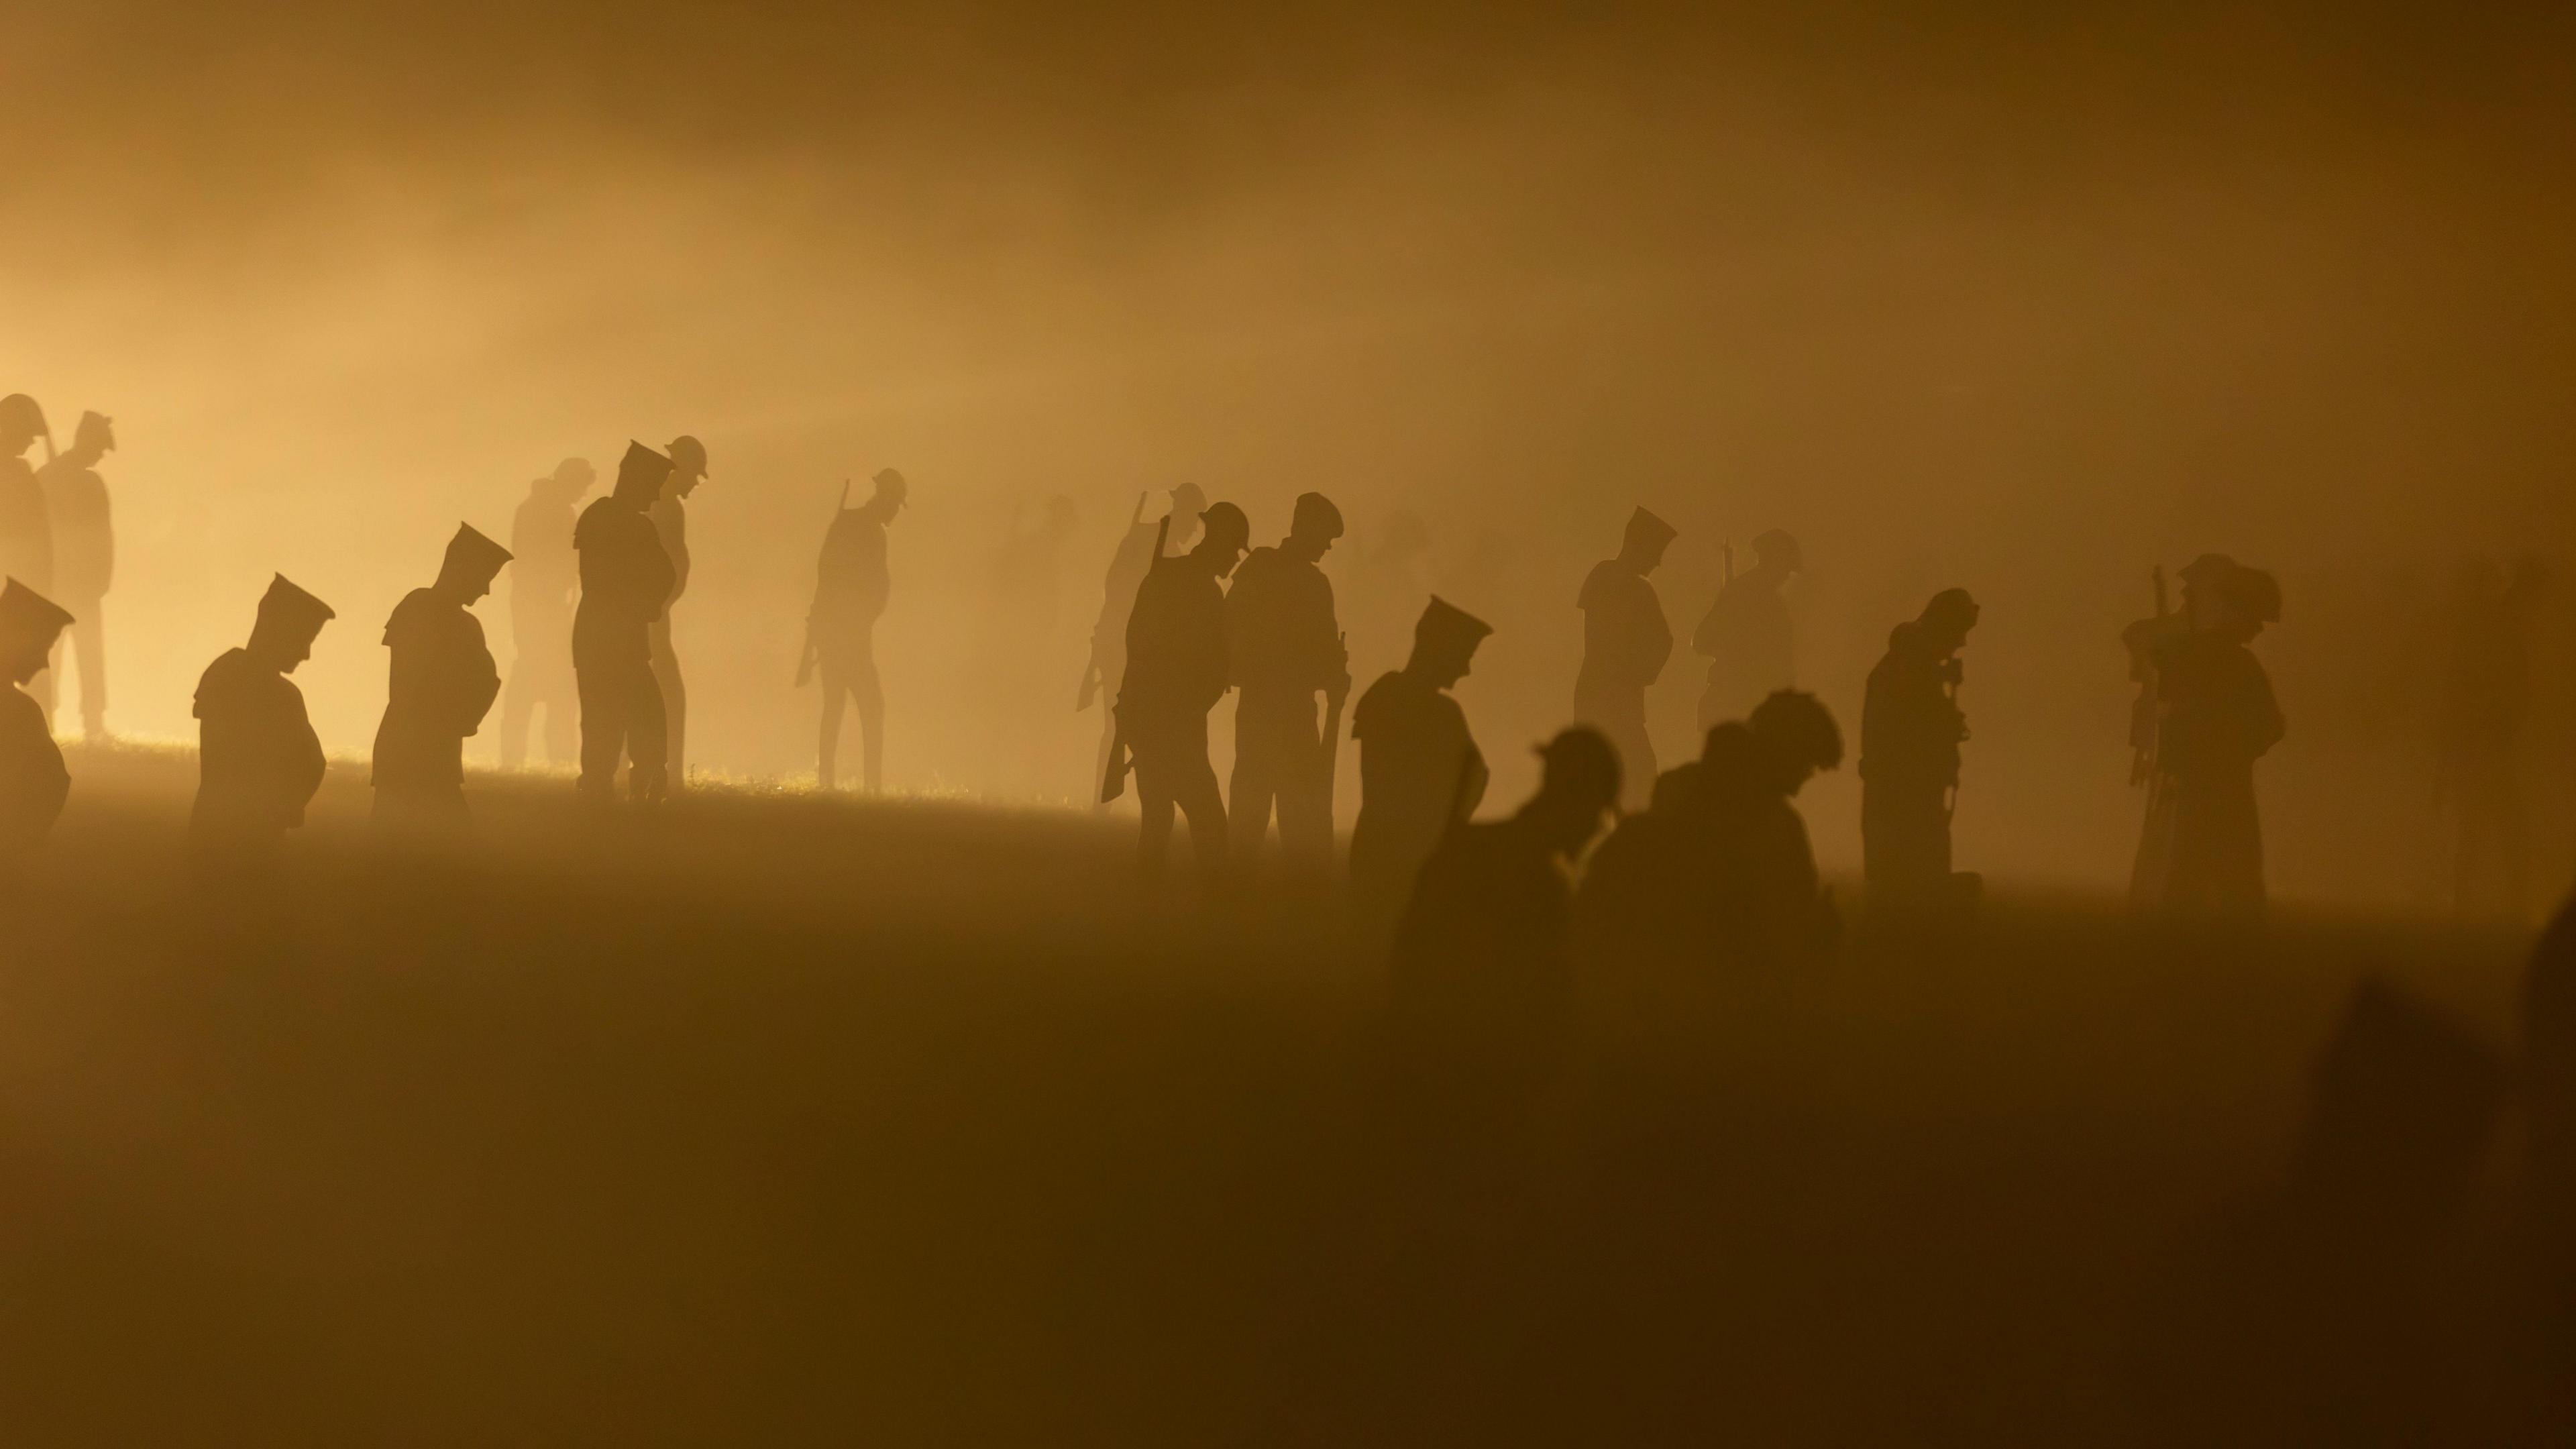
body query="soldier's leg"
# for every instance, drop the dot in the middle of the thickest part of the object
(1306, 799)
(871, 697)
(1194, 789)
(89, 645)
(675, 702)
(647, 734)
(518, 701)
(561, 699)
(1256, 773)
(603, 726)
(1154, 799)
(827, 744)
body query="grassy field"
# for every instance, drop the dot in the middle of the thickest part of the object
(779, 1120)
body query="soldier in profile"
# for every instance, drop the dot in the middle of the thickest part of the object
(1176, 672)
(33, 781)
(851, 586)
(671, 520)
(2219, 717)
(1420, 772)
(1284, 646)
(1910, 732)
(442, 684)
(84, 559)
(1746, 636)
(626, 579)
(2485, 707)
(1482, 983)
(1127, 568)
(541, 591)
(1626, 642)
(258, 761)
(26, 525)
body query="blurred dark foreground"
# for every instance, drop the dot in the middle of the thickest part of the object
(775, 1120)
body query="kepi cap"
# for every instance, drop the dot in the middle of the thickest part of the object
(1445, 626)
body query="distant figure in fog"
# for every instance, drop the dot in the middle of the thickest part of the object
(1626, 642)
(1284, 647)
(542, 579)
(2219, 717)
(84, 532)
(1910, 732)
(442, 684)
(26, 526)
(1176, 672)
(1746, 636)
(2145, 641)
(258, 761)
(1482, 985)
(33, 782)
(851, 586)
(1178, 528)
(1420, 772)
(671, 520)
(2485, 706)
(625, 580)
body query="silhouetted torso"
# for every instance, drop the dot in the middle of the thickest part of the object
(1747, 639)
(84, 534)
(1414, 745)
(1280, 627)
(1284, 647)
(442, 684)
(543, 567)
(259, 762)
(851, 586)
(1177, 659)
(2219, 718)
(33, 782)
(1481, 977)
(26, 529)
(626, 580)
(1910, 732)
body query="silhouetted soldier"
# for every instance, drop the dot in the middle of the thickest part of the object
(258, 760)
(1127, 568)
(1285, 646)
(2219, 717)
(1482, 983)
(2145, 640)
(1626, 642)
(1910, 733)
(671, 519)
(84, 535)
(1746, 636)
(851, 586)
(1176, 672)
(2484, 710)
(442, 684)
(542, 580)
(625, 580)
(26, 527)
(1420, 772)
(33, 782)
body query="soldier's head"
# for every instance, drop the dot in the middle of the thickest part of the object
(1776, 553)
(891, 492)
(1578, 783)
(2248, 599)
(571, 478)
(1229, 533)
(688, 465)
(1313, 526)
(472, 562)
(94, 437)
(29, 624)
(21, 423)
(1946, 620)
(640, 475)
(289, 621)
(1189, 500)
(1798, 737)
(1642, 548)
(1444, 643)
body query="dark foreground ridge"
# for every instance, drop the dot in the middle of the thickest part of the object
(777, 1120)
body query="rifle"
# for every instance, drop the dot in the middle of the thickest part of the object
(812, 654)
(1114, 784)
(1089, 689)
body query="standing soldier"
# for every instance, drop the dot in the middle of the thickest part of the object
(1746, 637)
(1176, 672)
(688, 459)
(1625, 645)
(1420, 771)
(2145, 641)
(2484, 711)
(1910, 733)
(84, 559)
(33, 782)
(850, 589)
(442, 685)
(26, 527)
(625, 581)
(258, 760)
(1127, 569)
(2219, 717)
(1285, 647)
(541, 590)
